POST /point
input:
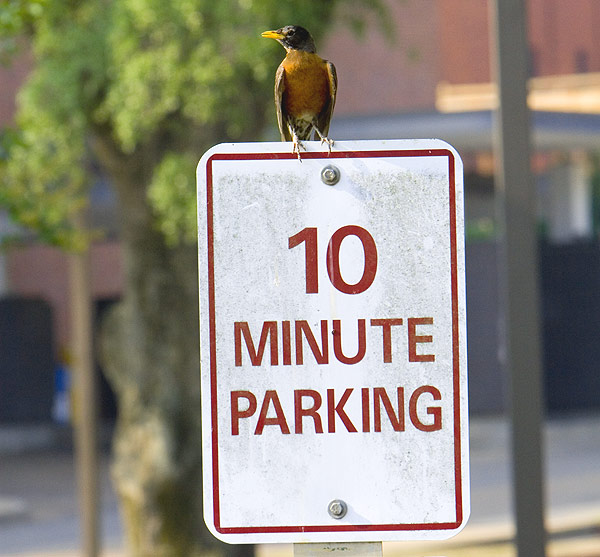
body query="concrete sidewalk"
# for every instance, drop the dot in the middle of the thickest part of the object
(39, 513)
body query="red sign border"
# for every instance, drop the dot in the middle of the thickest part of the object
(458, 492)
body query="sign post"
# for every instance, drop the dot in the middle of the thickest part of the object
(333, 341)
(516, 203)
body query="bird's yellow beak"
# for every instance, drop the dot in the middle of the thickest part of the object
(272, 35)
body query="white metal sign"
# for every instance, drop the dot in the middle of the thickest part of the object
(333, 340)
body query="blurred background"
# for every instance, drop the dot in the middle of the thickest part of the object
(98, 85)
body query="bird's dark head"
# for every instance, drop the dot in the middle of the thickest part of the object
(292, 37)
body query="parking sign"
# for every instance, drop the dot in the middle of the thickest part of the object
(333, 341)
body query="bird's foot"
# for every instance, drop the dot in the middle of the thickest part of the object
(296, 146)
(325, 139)
(329, 142)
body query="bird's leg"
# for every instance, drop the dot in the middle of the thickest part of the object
(324, 139)
(296, 144)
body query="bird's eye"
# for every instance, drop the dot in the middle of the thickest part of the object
(291, 32)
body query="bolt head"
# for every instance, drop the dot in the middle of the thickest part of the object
(330, 175)
(337, 509)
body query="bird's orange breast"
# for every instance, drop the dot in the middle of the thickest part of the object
(306, 84)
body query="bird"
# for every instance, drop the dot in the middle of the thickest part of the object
(305, 88)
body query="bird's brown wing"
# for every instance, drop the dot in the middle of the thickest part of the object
(324, 117)
(279, 107)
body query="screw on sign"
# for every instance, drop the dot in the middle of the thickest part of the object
(337, 509)
(333, 331)
(330, 175)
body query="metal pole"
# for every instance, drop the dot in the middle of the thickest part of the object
(86, 450)
(349, 549)
(517, 212)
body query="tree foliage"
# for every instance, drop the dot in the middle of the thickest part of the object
(181, 74)
(16, 17)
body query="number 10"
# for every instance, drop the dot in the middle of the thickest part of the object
(309, 237)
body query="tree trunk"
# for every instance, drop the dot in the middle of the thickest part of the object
(151, 356)
(150, 351)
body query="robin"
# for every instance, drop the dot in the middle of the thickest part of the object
(305, 88)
